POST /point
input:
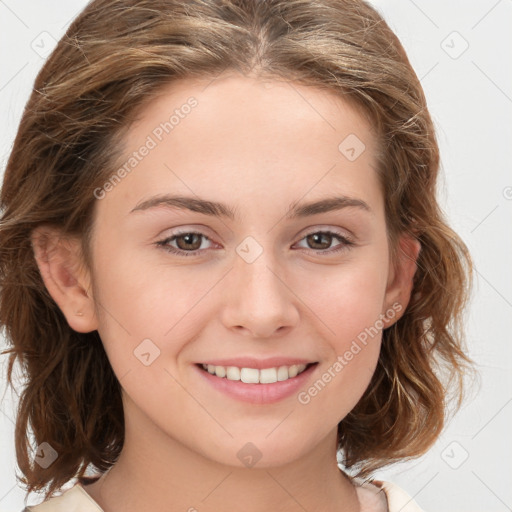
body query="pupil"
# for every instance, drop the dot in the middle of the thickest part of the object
(316, 237)
(188, 240)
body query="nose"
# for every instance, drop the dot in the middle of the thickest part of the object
(259, 302)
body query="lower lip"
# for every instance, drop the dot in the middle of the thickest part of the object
(258, 393)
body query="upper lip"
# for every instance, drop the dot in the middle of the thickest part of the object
(251, 362)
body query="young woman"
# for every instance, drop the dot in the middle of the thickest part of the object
(223, 264)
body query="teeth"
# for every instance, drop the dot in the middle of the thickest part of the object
(250, 375)
(282, 373)
(220, 371)
(233, 373)
(255, 376)
(268, 375)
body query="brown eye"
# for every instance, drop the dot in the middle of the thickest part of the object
(188, 241)
(319, 240)
(185, 244)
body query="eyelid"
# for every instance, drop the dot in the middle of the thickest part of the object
(189, 232)
(347, 241)
(200, 230)
(326, 228)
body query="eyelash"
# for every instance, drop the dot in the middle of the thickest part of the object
(347, 243)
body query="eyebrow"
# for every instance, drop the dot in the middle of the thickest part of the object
(216, 209)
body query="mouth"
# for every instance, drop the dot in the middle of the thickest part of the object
(250, 375)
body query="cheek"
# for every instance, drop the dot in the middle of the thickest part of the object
(346, 299)
(347, 304)
(138, 300)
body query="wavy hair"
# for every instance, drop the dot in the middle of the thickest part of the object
(115, 56)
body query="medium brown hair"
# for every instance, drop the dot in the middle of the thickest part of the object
(113, 59)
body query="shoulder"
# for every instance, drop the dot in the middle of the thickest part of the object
(398, 499)
(78, 500)
(75, 499)
(378, 496)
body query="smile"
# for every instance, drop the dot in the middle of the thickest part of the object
(255, 375)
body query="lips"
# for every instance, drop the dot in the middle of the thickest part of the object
(252, 362)
(254, 375)
(256, 371)
(257, 381)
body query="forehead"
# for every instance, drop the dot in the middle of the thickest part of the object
(262, 104)
(241, 137)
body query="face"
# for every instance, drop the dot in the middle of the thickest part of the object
(204, 252)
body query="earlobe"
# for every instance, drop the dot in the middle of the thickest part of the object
(401, 280)
(58, 260)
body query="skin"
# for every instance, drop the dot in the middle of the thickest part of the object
(257, 146)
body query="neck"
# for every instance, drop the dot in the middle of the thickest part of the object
(158, 473)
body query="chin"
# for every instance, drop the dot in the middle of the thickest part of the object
(257, 453)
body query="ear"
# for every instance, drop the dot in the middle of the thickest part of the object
(64, 276)
(401, 275)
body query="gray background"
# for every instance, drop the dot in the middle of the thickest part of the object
(462, 51)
